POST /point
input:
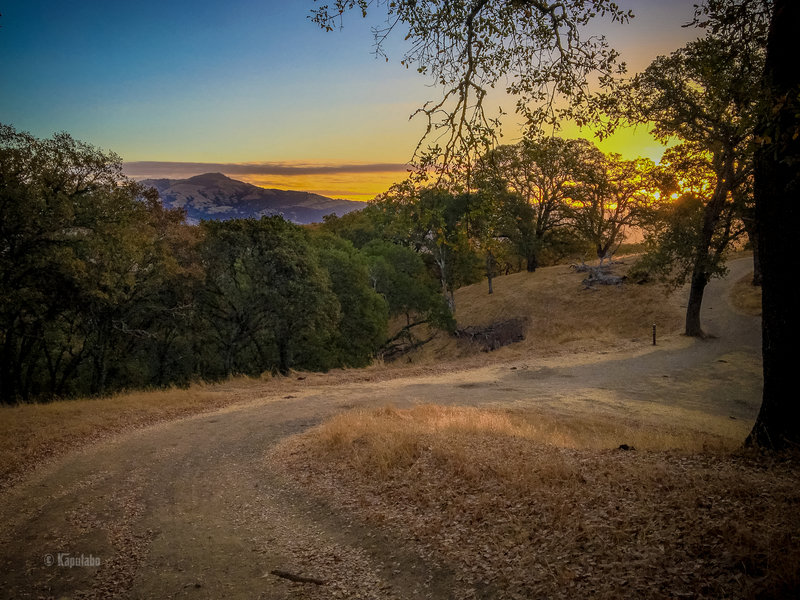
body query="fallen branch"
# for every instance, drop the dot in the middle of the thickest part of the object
(598, 277)
(296, 578)
(496, 335)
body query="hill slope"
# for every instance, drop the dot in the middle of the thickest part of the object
(213, 196)
(560, 316)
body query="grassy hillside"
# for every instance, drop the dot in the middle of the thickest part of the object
(561, 315)
(574, 498)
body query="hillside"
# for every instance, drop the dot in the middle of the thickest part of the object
(558, 315)
(213, 196)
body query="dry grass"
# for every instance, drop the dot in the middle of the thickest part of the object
(562, 316)
(524, 506)
(746, 297)
(377, 442)
(33, 433)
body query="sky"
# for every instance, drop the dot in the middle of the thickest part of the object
(250, 88)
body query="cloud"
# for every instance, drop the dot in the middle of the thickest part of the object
(172, 170)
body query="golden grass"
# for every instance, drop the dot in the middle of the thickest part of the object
(378, 441)
(561, 315)
(746, 297)
(524, 505)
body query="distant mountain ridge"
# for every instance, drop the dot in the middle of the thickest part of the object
(214, 196)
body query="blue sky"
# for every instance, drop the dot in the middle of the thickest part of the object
(241, 81)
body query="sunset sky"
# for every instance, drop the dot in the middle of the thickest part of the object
(250, 88)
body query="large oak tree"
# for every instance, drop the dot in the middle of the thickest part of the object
(705, 93)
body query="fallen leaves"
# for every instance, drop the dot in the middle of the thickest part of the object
(521, 519)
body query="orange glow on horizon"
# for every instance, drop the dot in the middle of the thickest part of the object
(631, 143)
(345, 186)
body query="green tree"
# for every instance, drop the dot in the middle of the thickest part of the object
(265, 304)
(79, 265)
(435, 222)
(541, 172)
(398, 273)
(362, 329)
(163, 323)
(359, 227)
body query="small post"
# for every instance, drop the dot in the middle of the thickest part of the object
(654, 334)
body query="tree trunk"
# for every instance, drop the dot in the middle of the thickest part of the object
(702, 261)
(531, 260)
(698, 286)
(751, 226)
(757, 272)
(490, 269)
(283, 356)
(601, 253)
(777, 194)
(8, 391)
(441, 262)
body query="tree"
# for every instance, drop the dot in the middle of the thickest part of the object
(705, 93)
(359, 226)
(398, 273)
(543, 50)
(165, 319)
(434, 221)
(675, 229)
(777, 196)
(265, 304)
(541, 172)
(607, 197)
(83, 257)
(362, 329)
(490, 218)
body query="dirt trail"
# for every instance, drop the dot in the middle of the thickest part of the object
(188, 509)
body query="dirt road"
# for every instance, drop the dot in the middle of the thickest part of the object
(188, 509)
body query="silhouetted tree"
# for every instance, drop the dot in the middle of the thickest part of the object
(543, 51)
(777, 195)
(541, 172)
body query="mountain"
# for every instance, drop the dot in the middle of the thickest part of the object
(213, 196)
